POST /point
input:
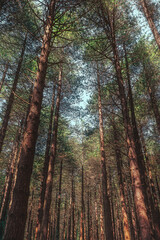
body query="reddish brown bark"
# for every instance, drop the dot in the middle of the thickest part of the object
(18, 212)
(4, 76)
(106, 203)
(151, 208)
(11, 97)
(29, 225)
(49, 181)
(96, 217)
(153, 196)
(59, 203)
(9, 183)
(148, 16)
(145, 229)
(108, 19)
(45, 169)
(120, 177)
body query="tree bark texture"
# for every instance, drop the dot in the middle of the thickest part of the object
(18, 212)
(106, 202)
(11, 97)
(120, 177)
(45, 169)
(150, 22)
(59, 203)
(49, 181)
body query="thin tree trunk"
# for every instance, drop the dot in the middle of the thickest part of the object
(150, 22)
(73, 208)
(18, 212)
(64, 223)
(120, 178)
(82, 209)
(96, 216)
(9, 184)
(154, 104)
(59, 204)
(69, 221)
(157, 184)
(11, 97)
(7, 190)
(89, 217)
(4, 76)
(55, 217)
(112, 204)
(49, 181)
(106, 202)
(154, 200)
(29, 225)
(45, 170)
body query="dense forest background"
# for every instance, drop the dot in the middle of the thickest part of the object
(80, 119)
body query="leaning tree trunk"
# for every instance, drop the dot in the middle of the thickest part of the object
(4, 76)
(11, 97)
(106, 202)
(145, 229)
(45, 170)
(150, 22)
(151, 207)
(49, 181)
(18, 212)
(9, 184)
(141, 208)
(8, 188)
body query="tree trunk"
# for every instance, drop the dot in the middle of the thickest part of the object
(11, 97)
(8, 190)
(55, 217)
(59, 204)
(96, 217)
(18, 212)
(106, 203)
(153, 196)
(49, 181)
(154, 105)
(29, 226)
(145, 229)
(45, 170)
(151, 208)
(10, 178)
(69, 221)
(73, 208)
(64, 223)
(150, 22)
(82, 209)
(4, 76)
(120, 178)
